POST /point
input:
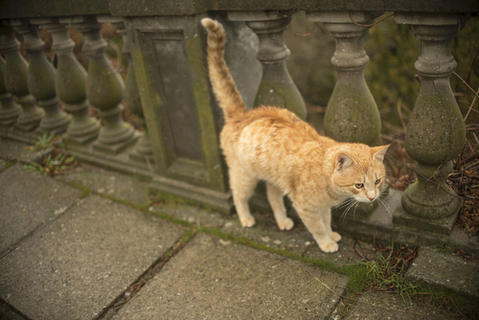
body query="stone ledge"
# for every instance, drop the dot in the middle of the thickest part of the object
(59, 8)
(437, 269)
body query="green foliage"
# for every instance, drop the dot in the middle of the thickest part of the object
(43, 142)
(384, 274)
(390, 75)
(465, 49)
(309, 63)
(51, 165)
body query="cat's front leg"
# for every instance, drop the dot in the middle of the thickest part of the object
(315, 223)
(327, 223)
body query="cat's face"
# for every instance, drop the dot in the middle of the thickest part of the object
(360, 172)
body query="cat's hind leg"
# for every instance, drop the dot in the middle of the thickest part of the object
(275, 198)
(242, 186)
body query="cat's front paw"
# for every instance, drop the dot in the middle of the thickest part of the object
(247, 222)
(286, 224)
(336, 237)
(328, 246)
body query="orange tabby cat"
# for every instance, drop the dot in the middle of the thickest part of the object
(274, 145)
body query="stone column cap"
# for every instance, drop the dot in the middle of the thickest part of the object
(428, 19)
(343, 16)
(258, 15)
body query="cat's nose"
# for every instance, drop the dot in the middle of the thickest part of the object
(371, 199)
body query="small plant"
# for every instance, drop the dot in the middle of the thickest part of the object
(43, 142)
(51, 165)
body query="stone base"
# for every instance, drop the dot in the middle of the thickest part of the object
(22, 135)
(124, 163)
(81, 140)
(56, 130)
(116, 148)
(438, 270)
(117, 162)
(440, 226)
(144, 159)
(221, 201)
(4, 131)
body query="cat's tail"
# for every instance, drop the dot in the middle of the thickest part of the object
(225, 89)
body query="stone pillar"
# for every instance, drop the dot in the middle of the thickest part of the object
(70, 84)
(436, 130)
(9, 110)
(143, 151)
(276, 87)
(104, 89)
(16, 69)
(41, 80)
(352, 114)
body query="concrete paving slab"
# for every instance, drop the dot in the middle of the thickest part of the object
(442, 269)
(110, 183)
(27, 201)
(195, 215)
(3, 164)
(298, 240)
(374, 306)
(6, 313)
(77, 265)
(216, 279)
(14, 150)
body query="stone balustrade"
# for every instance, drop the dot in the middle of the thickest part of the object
(168, 90)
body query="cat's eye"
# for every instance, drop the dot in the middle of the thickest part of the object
(359, 185)
(377, 181)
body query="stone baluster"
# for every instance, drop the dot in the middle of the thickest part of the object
(41, 80)
(104, 89)
(436, 130)
(16, 69)
(143, 151)
(70, 83)
(276, 87)
(352, 114)
(9, 110)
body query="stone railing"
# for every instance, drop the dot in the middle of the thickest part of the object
(167, 88)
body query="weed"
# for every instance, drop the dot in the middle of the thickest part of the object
(51, 165)
(43, 142)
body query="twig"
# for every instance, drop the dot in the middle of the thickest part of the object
(470, 88)
(372, 305)
(431, 181)
(471, 65)
(350, 258)
(118, 53)
(368, 25)
(398, 141)
(403, 123)
(470, 107)
(311, 32)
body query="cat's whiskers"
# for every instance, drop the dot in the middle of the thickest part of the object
(351, 204)
(343, 204)
(383, 202)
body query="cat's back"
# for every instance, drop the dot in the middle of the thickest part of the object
(271, 142)
(267, 123)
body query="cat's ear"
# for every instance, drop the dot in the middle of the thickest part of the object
(378, 153)
(343, 161)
